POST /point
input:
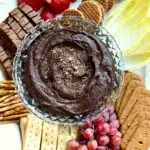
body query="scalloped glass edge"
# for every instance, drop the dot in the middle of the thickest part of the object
(65, 22)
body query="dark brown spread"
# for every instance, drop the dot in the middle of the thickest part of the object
(69, 72)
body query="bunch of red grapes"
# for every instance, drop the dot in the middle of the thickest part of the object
(101, 133)
(50, 8)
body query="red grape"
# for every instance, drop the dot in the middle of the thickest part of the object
(105, 116)
(110, 109)
(118, 133)
(83, 142)
(47, 14)
(82, 147)
(100, 127)
(112, 131)
(35, 4)
(73, 1)
(103, 140)
(98, 121)
(116, 140)
(105, 129)
(72, 145)
(115, 148)
(87, 124)
(81, 131)
(114, 124)
(58, 6)
(88, 133)
(101, 148)
(113, 117)
(92, 145)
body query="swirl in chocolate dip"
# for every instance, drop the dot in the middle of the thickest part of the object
(69, 72)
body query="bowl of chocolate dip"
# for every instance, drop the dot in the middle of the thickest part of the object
(66, 69)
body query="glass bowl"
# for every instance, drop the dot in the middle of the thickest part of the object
(73, 23)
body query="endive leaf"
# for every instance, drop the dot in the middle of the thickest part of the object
(121, 7)
(129, 24)
(136, 61)
(143, 23)
(130, 15)
(140, 46)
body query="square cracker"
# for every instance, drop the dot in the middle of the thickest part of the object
(129, 90)
(132, 101)
(142, 105)
(141, 138)
(128, 76)
(74, 131)
(63, 130)
(62, 141)
(49, 136)
(135, 124)
(33, 133)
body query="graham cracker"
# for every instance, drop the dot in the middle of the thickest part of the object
(73, 12)
(140, 106)
(135, 124)
(49, 136)
(128, 76)
(128, 93)
(91, 10)
(141, 138)
(33, 133)
(132, 101)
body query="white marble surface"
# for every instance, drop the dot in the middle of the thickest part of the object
(10, 138)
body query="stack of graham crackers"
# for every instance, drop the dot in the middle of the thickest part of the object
(133, 109)
(91, 9)
(39, 135)
(11, 107)
(12, 31)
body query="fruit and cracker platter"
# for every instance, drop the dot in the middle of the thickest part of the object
(68, 82)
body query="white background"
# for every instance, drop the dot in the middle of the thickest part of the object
(10, 138)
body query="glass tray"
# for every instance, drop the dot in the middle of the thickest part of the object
(73, 23)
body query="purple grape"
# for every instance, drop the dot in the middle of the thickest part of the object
(101, 148)
(87, 124)
(112, 117)
(103, 140)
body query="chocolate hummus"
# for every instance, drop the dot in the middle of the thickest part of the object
(69, 72)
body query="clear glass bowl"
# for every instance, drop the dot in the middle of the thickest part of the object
(73, 23)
